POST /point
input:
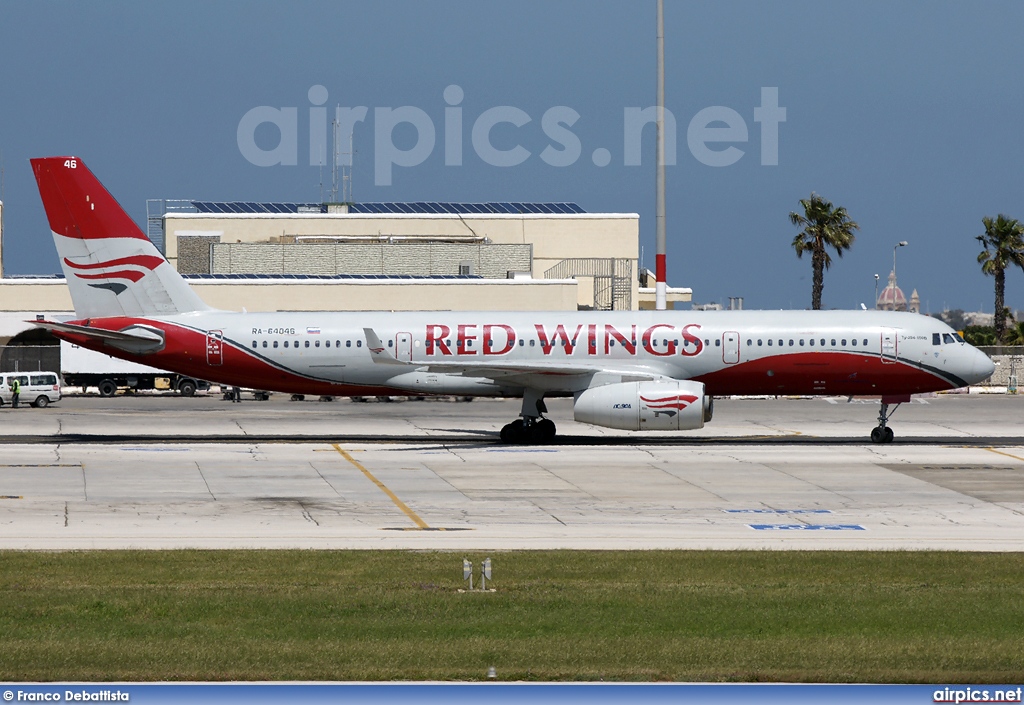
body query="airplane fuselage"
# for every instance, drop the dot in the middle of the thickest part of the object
(731, 352)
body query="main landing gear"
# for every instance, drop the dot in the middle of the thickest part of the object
(882, 433)
(531, 427)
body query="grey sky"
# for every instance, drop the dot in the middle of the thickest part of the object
(909, 114)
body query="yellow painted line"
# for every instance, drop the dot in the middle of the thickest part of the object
(1008, 455)
(383, 488)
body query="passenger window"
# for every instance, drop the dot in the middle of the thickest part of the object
(780, 342)
(275, 343)
(759, 342)
(286, 343)
(844, 342)
(264, 343)
(811, 342)
(749, 342)
(522, 342)
(865, 342)
(769, 342)
(822, 342)
(327, 344)
(337, 343)
(254, 344)
(359, 343)
(833, 342)
(853, 342)
(391, 343)
(533, 343)
(316, 344)
(37, 379)
(790, 342)
(801, 342)
(718, 342)
(348, 343)
(307, 343)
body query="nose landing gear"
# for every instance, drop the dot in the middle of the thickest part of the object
(882, 433)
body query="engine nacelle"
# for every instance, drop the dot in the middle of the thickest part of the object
(645, 406)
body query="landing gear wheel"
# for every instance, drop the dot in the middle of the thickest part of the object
(543, 431)
(878, 434)
(888, 435)
(513, 432)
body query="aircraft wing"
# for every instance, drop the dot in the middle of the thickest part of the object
(517, 372)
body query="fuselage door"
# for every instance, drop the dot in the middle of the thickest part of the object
(889, 345)
(215, 348)
(730, 347)
(403, 347)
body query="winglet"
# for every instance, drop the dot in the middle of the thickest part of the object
(378, 353)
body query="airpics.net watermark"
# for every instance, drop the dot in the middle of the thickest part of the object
(711, 136)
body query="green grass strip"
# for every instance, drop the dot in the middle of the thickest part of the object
(565, 615)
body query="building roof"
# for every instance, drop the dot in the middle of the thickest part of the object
(419, 207)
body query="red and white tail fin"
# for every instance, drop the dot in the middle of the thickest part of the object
(111, 267)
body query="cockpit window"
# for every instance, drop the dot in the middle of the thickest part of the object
(936, 338)
(959, 338)
(948, 339)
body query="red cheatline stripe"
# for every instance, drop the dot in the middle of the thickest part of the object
(148, 261)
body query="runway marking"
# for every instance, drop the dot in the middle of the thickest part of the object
(1008, 455)
(383, 488)
(777, 511)
(807, 527)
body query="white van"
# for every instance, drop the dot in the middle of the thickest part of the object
(37, 388)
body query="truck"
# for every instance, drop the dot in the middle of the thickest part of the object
(81, 367)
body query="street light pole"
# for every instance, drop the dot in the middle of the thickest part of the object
(901, 243)
(876, 291)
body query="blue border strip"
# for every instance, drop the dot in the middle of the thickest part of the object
(500, 693)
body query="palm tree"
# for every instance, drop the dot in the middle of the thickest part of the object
(1004, 247)
(823, 227)
(1015, 334)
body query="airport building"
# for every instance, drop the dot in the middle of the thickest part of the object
(379, 257)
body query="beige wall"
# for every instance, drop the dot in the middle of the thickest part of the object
(43, 296)
(554, 237)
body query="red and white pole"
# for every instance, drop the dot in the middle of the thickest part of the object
(659, 263)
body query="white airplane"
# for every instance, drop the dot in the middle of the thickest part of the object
(633, 370)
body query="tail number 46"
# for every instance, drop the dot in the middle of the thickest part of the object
(70, 163)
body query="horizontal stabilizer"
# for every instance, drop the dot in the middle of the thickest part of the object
(134, 339)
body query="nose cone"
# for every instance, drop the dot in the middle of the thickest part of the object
(982, 367)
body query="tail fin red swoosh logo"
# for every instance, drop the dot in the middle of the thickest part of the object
(673, 401)
(149, 262)
(144, 262)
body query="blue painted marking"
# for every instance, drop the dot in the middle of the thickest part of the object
(777, 511)
(157, 450)
(520, 450)
(807, 527)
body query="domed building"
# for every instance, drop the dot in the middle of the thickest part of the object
(892, 298)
